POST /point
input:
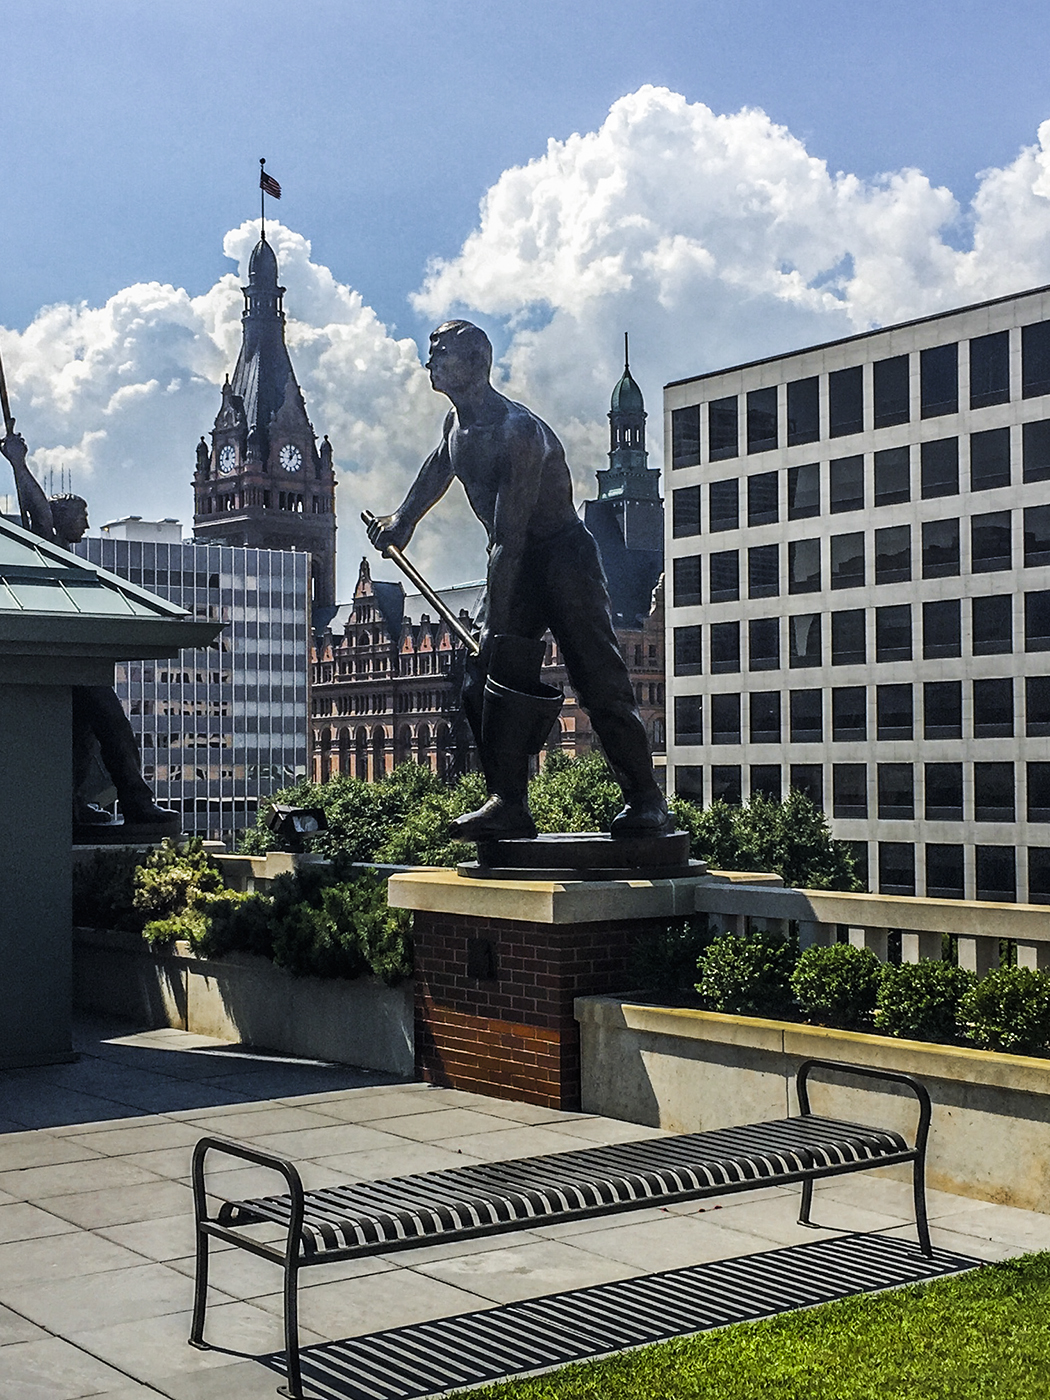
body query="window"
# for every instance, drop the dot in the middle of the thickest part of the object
(848, 646)
(687, 651)
(990, 459)
(807, 721)
(763, 644)
(1036, 536)
(849, 788)
(893, 711)
(725, 719)
(1035, 450)
(688, 719)
(1035, 360)
(939, 380)
(896, 792)
(1039, 874)
(1037, 706)
(803, 411)
(763, 571)
(940, 548)
(763, 499)
(990, 542)
(893, 554)
(764, 712)
(896, 867)
(891, 391)
(939, 468)
(689, 781)
(849, 714)
(804, 566)
(892, 476)
(804, 640)
(765, 781)
(847, 484)
(847, 560)
(1038, 788)
(942, 628)
(996, 873)
(687, 581)
(762, 420)
(685, 511)
(993, 625)
(944, 792)
(846, 401)
(722, 430)
(804, 491)
(944, 872)
(993, 792)
(685, 436)
(724, 505)
(724, 577)
(893, 633)
(990, 369)
(1036, 621)
(725, 784)
(942, 709)
(993, 708)
(725, 647)
(808, 779)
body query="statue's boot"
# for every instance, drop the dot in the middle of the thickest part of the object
(646, 816)
(120, 754)
(645, 812)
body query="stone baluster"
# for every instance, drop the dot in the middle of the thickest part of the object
(978, 955)
(812, 934)
(873, 938)
(920, 946)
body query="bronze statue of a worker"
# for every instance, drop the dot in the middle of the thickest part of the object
(543, 572)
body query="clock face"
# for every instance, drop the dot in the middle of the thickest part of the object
(291, 458)
(227, 459)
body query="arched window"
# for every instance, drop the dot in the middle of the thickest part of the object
(326, 755)
(361, 754)
(378, 753)
(344, 750)
(423, 745)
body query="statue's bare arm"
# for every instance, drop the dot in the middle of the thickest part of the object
(32, 502)
(432, 481)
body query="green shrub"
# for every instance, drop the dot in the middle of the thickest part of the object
(666, 961)
(1009, 1010)
(837, 985)
(104, 891)
(749, 975)
(920, 1001)
(574, 794)
(172, 877)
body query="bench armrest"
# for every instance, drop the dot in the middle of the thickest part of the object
(260, 1158)
(867, 1072)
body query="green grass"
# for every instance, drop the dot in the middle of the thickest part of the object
(982, 1336)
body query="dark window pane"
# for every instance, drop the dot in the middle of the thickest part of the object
(1039, 874)
(993, 792)
(762, 420)
(942, 709)
(893, 711)
(896, 867)
(848, 645)
(893, 633)
(808, 779)
(1036, 536)
(893, 554)
(725, 647)
(724, 505)
(990, 459)
(993, 708)
(803, 411)
(944, 792)
(807, 723)
(804, 566)
(1037, 706)
(847, 484)
(685, 436)
(687, 581)
(1035, 450)
(763, 644)
(940, 548)
(846, 401)
(804, 640)
(763, 500)
(688, 719)
(996, 873)
(687, 651)
(725, 784)
(685, 511)
(990, 369)
(849, 713)
(725, 719)
(939, 380)
(1038, 783)
(689, 781)
(722, 433)
(763, 571)
(944, 872)
(892, 476)
(764, 709)
(847, 560)
(990, 542)
(942, 628)
(1036, 621)
(724, 577)
(891, 391)
(896, 792)
(993, 626)
(765, 781)
(849, 786)
(939, 468)
(1035, 360)
(804, 491)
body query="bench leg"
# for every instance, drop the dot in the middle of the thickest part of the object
(921, 1223)
(806, 1203)
(294, 1388)
(200, 1292)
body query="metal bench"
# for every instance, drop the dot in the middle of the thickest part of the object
(379, 1217)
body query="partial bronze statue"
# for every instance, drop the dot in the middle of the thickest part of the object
(544, 573)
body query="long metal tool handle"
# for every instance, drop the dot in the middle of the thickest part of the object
(392, 553)
(5, 402)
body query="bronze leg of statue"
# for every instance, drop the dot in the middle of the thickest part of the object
(96, 708)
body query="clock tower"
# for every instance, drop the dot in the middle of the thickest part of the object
(264, 482)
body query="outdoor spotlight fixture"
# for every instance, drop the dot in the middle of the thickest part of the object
(292, 824)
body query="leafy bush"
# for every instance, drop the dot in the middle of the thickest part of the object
(1009, 1010)
(574, 794)
(173, 879)
(837, 986)
(104, 891)
(666, 961)
(920, 1001)
(749, 975)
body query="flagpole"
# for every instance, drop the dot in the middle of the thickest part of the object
(262, 196)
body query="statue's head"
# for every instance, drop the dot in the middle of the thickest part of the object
(70, 517)
(460, 356)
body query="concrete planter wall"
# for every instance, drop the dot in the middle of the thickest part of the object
(692, 1071)
(245, 998)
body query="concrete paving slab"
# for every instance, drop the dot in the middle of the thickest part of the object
(673, 1242)
(93, 1174)
(49, 1368)
(360, 1305)
(151, 1136)
(515, 1271)
(516, 1140)
(261, 1121)
(450, 1123)
(403, 1160)
(326, 1142)
(15, 1328)
(22, 1221)
(61, 1256)
(163, 1239)
(28, 1149)
(155, 1199)
(71, 1305)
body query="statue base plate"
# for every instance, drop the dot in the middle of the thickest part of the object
(122, 833)
(585, 855)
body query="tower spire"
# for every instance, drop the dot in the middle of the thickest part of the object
(626, 355)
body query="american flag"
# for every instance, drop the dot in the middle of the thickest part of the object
(269, 185)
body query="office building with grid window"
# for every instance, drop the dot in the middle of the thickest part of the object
(858, 600)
